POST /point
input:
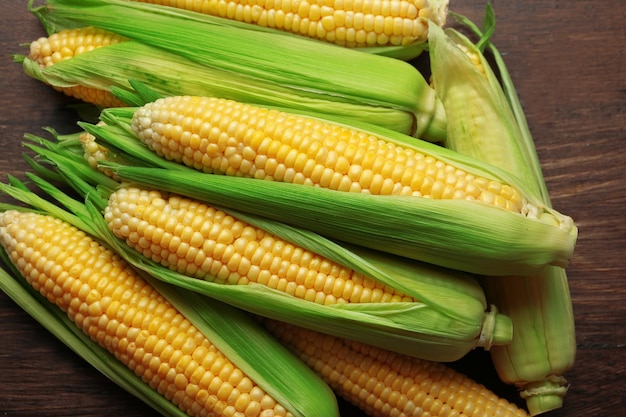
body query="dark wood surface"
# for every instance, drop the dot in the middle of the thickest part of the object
(568, 60)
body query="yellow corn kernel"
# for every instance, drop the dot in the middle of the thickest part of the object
(125, 315)
(198, 240)
(474, 58)
(66, 44)
(93, 153)
(232, 138)
(384, 383)
(346, 23)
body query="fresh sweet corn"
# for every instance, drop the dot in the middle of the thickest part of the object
(231, 138)
(544, 346)
(111, 303)
(351, 24)
(68, 43)
(384, 383)
(263, 67)
(207, 243)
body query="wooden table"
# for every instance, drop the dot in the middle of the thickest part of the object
(568, 60)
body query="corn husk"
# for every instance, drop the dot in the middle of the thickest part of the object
(544, 346)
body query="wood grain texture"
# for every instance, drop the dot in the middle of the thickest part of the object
(567, 59)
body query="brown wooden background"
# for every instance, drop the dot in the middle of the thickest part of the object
(567, 58)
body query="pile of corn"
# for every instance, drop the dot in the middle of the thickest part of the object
(274, 209)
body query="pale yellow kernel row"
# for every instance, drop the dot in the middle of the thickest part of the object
(68, 43)
(124, 314)
(206, 243)
(353, 23)
(231, 138)
(385, 383)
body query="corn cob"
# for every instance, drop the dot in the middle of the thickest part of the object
(289, 274)
(540, 305)
(258, 61)
(298, 150)
(382, 22)
(119, 310)
(384, 383)
(228, 137)
(206, 243)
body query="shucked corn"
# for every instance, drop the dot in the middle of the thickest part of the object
(124, 314)
(232, 138)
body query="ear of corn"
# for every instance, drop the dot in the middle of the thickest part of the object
(459, 83)
(438, 10)
(210, 359)
(544, 346)
(347, 24)
(272, 59)
(316, 152)
(98, 72)
(384, 383)
(433, 312)
(408, 304)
